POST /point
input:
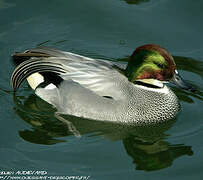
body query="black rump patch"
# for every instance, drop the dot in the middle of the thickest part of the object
(51, 77)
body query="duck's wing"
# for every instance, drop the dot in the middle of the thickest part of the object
(102, 77)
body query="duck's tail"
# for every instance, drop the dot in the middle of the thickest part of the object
(34, 66)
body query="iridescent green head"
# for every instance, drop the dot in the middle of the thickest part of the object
(150, 62)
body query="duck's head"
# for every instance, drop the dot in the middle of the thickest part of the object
(153, 64)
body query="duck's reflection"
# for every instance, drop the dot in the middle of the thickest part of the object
(145, 144)
(154, 156)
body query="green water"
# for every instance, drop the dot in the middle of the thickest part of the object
(33, 139)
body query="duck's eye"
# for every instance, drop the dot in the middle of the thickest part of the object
(160, 65)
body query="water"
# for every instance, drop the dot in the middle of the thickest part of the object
(33, 139)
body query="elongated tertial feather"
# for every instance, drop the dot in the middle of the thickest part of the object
(31, 66)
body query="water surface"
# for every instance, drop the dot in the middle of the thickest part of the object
(33, 139)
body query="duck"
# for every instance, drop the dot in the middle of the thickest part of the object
(132, 92)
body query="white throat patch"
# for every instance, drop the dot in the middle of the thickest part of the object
(153, 82)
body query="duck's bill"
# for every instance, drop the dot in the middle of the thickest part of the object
(178, 81)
